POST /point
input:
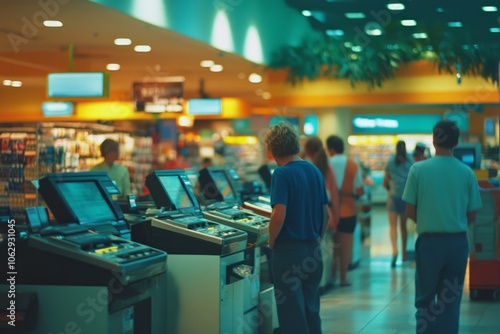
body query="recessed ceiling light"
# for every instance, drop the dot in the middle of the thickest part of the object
(216, 68)
(16, 83)
(266, 95)
(420, 35)
(255, 78)
(409, 23)
(335, 32)
(357, 48)
(52, 23)
(490, 9)
(395, 6)
(113, 67)
(123, 41)
(355, 15)
(495, 29)
(206, 63)
(7, 82)
(440, 10)
(454, 24)
(142, 48)
(306, 13)
(348, 44)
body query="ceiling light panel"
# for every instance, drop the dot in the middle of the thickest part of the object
(356, 15)
(409, 23)
(142, 48)
(123, 41)
(52, 24)
(455, 24)
(395, 6)
(489, 9)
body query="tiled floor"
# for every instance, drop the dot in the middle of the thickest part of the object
(380, 299)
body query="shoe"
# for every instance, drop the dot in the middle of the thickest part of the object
(393, 262)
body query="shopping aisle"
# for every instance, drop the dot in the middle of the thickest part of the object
(380, 299)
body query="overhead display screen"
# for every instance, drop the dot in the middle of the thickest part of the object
(78, 84)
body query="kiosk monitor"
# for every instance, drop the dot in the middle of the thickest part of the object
(469, 154)
(216, 185)
(80, 197)
(171, 190)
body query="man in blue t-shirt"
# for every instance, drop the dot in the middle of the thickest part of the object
(298, 220)
(442, 196)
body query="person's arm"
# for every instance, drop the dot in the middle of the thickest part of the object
(387, 178)
(127, 188)
(276, 223)
(334, 200)
(471, 217)
(359, 183)
(326, 219)
(411, 211)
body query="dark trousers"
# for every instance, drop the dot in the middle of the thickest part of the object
(441, 262)
(297, 270)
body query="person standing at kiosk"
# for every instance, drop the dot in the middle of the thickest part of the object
(119, 174)
(298, 220)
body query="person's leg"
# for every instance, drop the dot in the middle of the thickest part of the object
(288, 274)
(429, 259)
(313, 267)
(393, 234)
(449, 293)
(345, 249)
(335, 255)
(404, 235)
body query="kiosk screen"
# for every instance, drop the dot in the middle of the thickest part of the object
(176, 191)
(86, 202)
(222, 183)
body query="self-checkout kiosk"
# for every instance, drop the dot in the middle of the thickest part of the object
(206, 269)
(85, 279)
(223, 205)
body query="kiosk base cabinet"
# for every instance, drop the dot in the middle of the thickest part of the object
(99, 309)
(204, 296)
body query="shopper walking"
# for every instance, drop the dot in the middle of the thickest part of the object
(350, 184)
(442, 198)
(396, 174)
(298, 220)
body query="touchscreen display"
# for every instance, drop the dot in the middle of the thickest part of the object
(176, 191)
(223, 185)
(86, 202)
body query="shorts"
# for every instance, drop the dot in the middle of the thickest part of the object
(347, 224)
(397, 205)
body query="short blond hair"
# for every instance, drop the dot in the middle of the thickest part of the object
(282, 140)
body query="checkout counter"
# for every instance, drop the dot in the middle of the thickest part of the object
(81, 273)
(207, 268)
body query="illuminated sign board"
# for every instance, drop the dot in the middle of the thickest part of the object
(387, 124)
(57, 109)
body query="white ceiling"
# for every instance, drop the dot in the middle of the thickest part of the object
(28, 51)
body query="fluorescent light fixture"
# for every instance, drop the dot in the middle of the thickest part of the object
(420, 35)
(142, 48)
(409, 23)
(255, 78)
(374, 32)
(355, 15)
(52, 24)
(335, 32)
(16, 83)
(266, 95)
(306, 13)
(357, 48)
(454, 24)
(395, 6)
(348, 44)
(7, 82)
(206, 63)
(490, 9)
(123, 41)
(113, 67)
(216, 68)
(494, 30)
